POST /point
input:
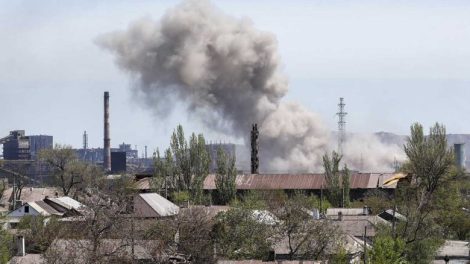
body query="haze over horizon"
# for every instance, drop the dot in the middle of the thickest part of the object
(394, 63)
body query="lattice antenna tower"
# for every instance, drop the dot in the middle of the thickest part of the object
(341, 124)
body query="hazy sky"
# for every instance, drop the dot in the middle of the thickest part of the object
(395, 62)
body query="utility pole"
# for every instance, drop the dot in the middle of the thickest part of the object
(321, 199)
(341, 125)
(365, 245)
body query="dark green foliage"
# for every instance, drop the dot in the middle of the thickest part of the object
(421, 200)
(6, 246)
(225, 177)
(239, 235)
(184, 166)
(345, 175)
(180, 198)
(430, 160)
(337, 182)
(340, 257)
(422, 251)
(387, 250)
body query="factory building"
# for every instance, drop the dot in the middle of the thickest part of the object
(18, 146)
(38, 143)
(212, 148)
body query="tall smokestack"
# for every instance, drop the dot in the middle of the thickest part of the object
(254, 149)
(107, 140)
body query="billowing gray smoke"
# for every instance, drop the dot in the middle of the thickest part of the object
(228, 73)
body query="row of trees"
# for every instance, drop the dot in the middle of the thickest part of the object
(181, 171)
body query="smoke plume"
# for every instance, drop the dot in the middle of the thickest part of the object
(228, 74)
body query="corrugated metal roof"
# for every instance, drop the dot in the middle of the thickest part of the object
(295, 181)
(159, 204)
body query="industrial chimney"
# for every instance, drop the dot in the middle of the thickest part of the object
(107, 140)
(254, 149)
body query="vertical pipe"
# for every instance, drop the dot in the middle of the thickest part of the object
(107, 140)
(254, 149)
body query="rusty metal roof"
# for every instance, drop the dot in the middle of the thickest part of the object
(312, 181)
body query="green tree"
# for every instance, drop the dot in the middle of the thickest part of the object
(186, 164)
(345, 186)
(169, 169)
(387, 250)
(200, 162)
(337, 182)
(340, 257)
(306, 237)
(239, 234)
(41, 231)
(159, 174)
(225, 177)
(69, 173)
(180, 151)
(6, 246)
(430, 162)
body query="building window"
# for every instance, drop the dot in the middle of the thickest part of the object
(26, 209)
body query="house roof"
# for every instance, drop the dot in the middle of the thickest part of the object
(159, 204)
(28, 194)
(311, 181)
(43, 208)
(356, 227)
(389, 214)
(67, 202)
(307, 181)
(454, 248)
